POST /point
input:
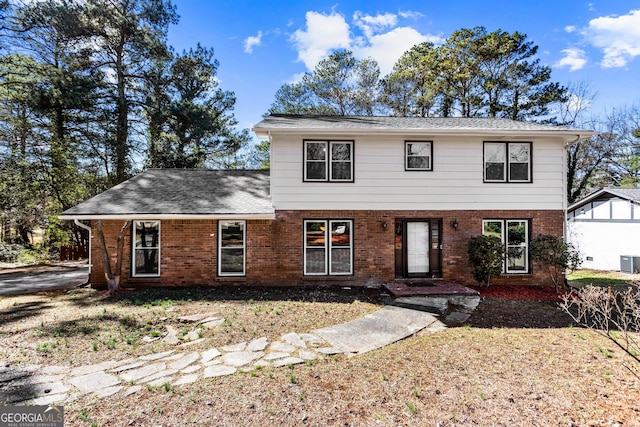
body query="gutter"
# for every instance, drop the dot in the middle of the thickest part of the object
(152, 216)
(85, 227)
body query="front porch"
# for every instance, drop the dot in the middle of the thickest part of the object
(452, 301)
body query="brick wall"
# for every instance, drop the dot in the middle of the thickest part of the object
(275, 248)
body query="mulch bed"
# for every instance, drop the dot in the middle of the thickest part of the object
(519, 292)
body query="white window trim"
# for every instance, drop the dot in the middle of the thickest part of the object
(244, 249)
(133, 250)
(328, 246)
(503, 237)
(328, 162)
(525, 246)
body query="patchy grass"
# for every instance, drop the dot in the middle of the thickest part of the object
(580, 278)
(514, 363)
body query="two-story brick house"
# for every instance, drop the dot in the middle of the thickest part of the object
(348, 200)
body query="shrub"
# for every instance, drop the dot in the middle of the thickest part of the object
(9, 252)
(612, 313)
(486, 254)
(557, 255)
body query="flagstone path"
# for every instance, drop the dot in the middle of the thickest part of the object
(44, 385)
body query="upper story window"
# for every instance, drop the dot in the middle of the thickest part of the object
(328, 161)
(507, 162)
(146, 249)
(418, 155)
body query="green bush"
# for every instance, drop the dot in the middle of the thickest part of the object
(9, 252)
(556, 255)
(486, 254)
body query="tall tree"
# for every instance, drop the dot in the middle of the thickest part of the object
(475, 73)
(625, 165)
(53, 32)
(130, 34)
(339, 85)
(190, 116)
(411, 88)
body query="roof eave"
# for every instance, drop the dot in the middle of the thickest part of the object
(156, 216)
(572, 135)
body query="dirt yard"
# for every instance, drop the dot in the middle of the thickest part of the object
(516, 362)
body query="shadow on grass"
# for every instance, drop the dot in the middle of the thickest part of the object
(19, 312)
(333, 294)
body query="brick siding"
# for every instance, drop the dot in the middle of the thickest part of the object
(274, 249)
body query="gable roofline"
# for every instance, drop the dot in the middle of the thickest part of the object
(630, 194)
(423, 126)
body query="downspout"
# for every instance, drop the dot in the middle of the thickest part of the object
(85, 227)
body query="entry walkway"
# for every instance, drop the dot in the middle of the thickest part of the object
(44, 385)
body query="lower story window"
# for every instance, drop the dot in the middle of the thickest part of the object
(146, 249)
(328, 247)
(231, 248)
(514, 233)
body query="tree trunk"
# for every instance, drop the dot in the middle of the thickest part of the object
(112, 276)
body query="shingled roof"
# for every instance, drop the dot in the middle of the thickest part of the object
(182, 193)
(436, 125)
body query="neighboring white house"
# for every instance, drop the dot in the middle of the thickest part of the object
(605, 228)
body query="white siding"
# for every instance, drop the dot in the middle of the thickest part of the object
(604, 242)
(380, 181)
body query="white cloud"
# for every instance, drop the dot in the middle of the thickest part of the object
(373, 24)
(570, 28)
(617, 36)
(410, 14)
(378, 38)
(387, 48)
(573, 58)
(252, 41)
(324, 33)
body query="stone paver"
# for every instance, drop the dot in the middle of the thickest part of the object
(282, 347)
(235, 347)
(184, 361)
(94, 381)
(186, 379)
(259, 344)
(241, 358)
(218, 371)
(145, 371)
(43, 385)
(156, 356)
(211, 354)
(294, 339)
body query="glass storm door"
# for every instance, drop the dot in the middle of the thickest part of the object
(417, 248)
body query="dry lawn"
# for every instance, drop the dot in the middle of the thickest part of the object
(515, 363)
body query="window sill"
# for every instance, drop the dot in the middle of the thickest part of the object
(346, 277)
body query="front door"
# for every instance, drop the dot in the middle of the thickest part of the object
(418, 248)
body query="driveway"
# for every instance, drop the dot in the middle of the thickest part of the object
(28, 282)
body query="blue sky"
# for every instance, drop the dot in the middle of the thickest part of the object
(263, 44)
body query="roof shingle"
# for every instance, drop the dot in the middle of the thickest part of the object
(181, 192)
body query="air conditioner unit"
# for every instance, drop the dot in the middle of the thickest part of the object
(630, 264)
